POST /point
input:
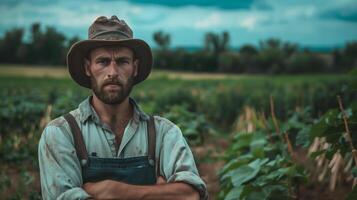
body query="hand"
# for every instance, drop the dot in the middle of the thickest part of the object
(160, 180)
(92, 188)
(104, 189)
(109, 189)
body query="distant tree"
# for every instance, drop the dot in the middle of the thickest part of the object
(53, 48)
(271, 57)
(350, 54)
(337, 58)
(290, 49)
(248, 55)
(305, 62)
(34, 47)
(10, 45)
(46, 47)
(274, 54)
(345, 59)
(35, 31)
(248, 50)
(162, 39)
(216, 44)
(272, 43)
(163, 55)
(203, 61)
(229, 62)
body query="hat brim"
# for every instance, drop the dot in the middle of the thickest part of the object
(79, 50)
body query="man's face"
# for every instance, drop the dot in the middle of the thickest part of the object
(112, 71)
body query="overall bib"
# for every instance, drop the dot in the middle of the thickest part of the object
(135, 170)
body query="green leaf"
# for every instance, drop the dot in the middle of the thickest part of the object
(258, 143)
(302, 137)
(234, 193)
(330, 152)
(242, 141)
(247, 172)
(317, 129)
(258, 152)
(276, 192)
(324, 125)
(348, 113)
(256, 195)
(227, 169)
(279, 173)
(243, 174)
(354, 171)
(258, 163)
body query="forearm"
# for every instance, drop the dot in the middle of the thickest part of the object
(170, 191)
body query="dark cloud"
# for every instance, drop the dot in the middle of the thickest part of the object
(351, 17)
(345, 13)
(13, 3)
(228, 4)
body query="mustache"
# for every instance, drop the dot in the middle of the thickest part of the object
(112, 82)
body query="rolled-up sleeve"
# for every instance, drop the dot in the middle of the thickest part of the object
(60, 171)
(177, 161)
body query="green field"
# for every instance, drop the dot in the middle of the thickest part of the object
(211, 109)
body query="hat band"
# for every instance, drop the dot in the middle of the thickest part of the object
(110, 32)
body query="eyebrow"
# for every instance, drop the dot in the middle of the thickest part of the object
(102, 59)
(117, 59)
(123, 58)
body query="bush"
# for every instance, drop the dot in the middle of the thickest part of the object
(229, 62)
(222, 105)
(178, 96)
(305, 63)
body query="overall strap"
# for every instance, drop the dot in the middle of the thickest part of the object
(78, 139)
(152, 144)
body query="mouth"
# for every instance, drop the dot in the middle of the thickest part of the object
(112, 86)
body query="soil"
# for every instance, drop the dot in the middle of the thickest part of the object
(209, 161)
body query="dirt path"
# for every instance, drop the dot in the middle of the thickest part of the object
(209, 162)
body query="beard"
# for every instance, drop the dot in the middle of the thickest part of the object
(112, 97)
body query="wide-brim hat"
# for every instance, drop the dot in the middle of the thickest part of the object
(108, 32)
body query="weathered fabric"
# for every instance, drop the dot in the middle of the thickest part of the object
(60, 169)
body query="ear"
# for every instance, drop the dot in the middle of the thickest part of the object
(136, 67)
(87, 66)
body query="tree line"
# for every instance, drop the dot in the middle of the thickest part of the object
(44, 47)
(273, 56)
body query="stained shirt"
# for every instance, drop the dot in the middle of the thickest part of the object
(60, 169)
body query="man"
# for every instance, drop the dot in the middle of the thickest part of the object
(108, 148)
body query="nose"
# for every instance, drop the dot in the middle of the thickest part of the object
(113, 69)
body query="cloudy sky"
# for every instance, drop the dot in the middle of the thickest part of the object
(323, 23)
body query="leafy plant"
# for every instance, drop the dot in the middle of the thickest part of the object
(258, 169)
(193, 125)
(331, 126)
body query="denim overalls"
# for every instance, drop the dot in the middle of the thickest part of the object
(135, 170)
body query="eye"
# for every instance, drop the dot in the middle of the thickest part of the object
(103, 61)
(122, 61)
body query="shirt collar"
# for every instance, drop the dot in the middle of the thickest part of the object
(86, 111)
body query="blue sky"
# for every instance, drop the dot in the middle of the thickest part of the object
(306, 22)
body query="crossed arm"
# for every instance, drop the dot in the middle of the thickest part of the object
(60, 173)
(109, 189)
